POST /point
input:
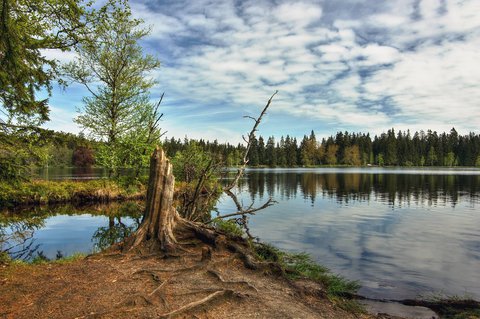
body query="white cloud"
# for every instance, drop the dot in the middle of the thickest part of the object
(297, 13)
(61, 120)
(59, 55)
(399, 65)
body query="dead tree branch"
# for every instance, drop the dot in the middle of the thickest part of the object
(251, 137)
(249, 211)
(241, 210)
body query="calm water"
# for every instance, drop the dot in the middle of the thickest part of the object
(61, 173)
(399, 232)
(67, 229)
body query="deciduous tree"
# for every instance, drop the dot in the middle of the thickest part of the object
(114, 69)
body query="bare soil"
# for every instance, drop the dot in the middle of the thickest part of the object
(118, 285)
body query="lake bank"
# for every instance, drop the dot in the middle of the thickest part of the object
(370, 217)
(114, 284)
(38, 192)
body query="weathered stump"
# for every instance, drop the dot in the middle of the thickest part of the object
(160, 216)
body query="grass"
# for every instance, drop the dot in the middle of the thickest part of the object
(300, 265)
(228, 226)
(47, 192)
(40, 259)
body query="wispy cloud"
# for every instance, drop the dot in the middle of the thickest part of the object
(355, 65)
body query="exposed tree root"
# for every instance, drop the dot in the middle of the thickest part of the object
(197, 291)
(150, 272)
(192, 305)
(219, 277)
(159, 287)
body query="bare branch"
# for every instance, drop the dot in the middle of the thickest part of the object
(249, 211)
(250, 117)
(251, 137)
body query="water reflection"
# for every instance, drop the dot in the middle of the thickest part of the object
(394, 189)
(62, 230)
(63, 173)
(399, 234)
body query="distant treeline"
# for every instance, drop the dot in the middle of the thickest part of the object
(344, 148)
(391, 148)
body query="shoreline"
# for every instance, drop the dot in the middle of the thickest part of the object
(38, 192)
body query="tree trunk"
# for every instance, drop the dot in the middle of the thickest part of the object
(160, 216)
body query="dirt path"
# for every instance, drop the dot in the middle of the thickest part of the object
(128, 286)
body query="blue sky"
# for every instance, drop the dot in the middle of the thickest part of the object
(355, 65)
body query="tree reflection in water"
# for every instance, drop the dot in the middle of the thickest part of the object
(392, 188)
(116, 230)
(18, 226)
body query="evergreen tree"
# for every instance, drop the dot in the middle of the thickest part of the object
(26, 28)
(261, 151)
(271, 152)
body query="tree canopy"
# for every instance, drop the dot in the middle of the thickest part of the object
(114, 69)
(27, 27)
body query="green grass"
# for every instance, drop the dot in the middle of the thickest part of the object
(301, 265)
(229, 227)
(44, 192)
(40, 259)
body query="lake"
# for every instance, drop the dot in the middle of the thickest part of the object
(400, 232)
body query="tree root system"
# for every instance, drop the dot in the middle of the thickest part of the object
(210, 281)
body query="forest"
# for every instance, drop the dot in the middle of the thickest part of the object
(59, 149)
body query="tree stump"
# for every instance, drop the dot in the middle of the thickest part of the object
(160, 215)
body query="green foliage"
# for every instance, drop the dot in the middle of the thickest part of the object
(24, 148)
(228, 226)
(104, 237)
(72, 258)
(192, 163)
(41, 259)
(352, 156)
(26, 28)
(380, 161)
(115, 70)
(12, 163)
(331, 155)
(352, 149)
(5, 258)
(39, 192)
(197, 171)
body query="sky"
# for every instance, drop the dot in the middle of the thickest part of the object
(350, 65)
